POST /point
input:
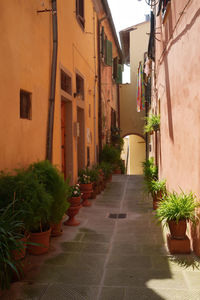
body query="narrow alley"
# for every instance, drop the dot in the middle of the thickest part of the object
(109, 258)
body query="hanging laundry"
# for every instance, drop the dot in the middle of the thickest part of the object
(140, 90)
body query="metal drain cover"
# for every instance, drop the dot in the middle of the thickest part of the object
(113, 216)
(121, 216)
(117, 216)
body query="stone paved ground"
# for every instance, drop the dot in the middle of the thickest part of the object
(111, 259)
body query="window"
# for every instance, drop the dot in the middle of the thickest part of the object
(80, 12)
(79, 87)
(25, 105)
(102, 43)
(117, 70)
(66, 83)
(108, 58)
(88, 156)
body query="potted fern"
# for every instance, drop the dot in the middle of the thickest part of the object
(10, 244)
(175, 210)
(150, 171)
(158, 191)
(152, 123)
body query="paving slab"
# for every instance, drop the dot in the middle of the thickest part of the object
(111, 259)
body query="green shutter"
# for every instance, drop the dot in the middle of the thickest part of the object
(108, 59)
(119, 74)
(115, 67)
(102, 42)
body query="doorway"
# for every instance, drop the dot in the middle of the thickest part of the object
(66, 138)
(81, 138)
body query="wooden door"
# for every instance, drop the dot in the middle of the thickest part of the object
(63, 136)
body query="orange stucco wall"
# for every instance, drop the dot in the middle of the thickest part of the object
(109, 95)
(178, 74)
(76, 51)
(25, 53)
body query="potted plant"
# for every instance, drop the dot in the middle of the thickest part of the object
(10, 245)
(95, 179)
(150, 171)
(55, 185)
(85, 186)
(152, 123)
(37, 203)
(175, 210)
(116, 140)
(107, 171)
(158, 191)
(75, 205)
(110, 154)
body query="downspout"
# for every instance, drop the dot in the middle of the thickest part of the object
(118, 105)
(99, 80)
(95, 79)
(99, 85)
(50, 124)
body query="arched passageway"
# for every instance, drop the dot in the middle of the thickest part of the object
(133, 154)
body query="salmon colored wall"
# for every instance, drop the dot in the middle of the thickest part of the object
(178, 91)
(25, 53)
(131, 120)
(178, 74)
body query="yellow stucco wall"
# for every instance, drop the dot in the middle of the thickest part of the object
(136, 154)
(26, 49)
(131, 120)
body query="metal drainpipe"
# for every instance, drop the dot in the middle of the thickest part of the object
(118, 104)
(99, 84)
(95, 154)
(52, 84)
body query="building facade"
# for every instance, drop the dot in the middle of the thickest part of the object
(51, 85)
(134, 42)
(175, 96)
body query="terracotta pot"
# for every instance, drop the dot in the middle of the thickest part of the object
(93, 195)
(72, 212)
(178, 230)
(41, 238)
(156, 200)
(85, 187)
(85, 197)
(20, 253)
(117, 171)
(75, 201)
(110, 178)
(56, 229)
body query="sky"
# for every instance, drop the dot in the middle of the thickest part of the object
(127, 13)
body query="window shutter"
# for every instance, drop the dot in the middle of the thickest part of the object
(119, 74)
(115, 67)
(102, 42)
(108, 53)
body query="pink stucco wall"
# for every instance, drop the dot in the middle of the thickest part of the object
(178, 91)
